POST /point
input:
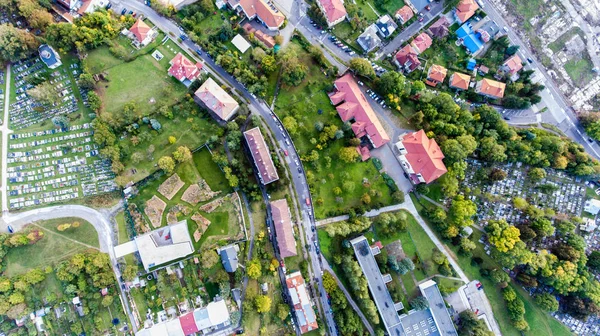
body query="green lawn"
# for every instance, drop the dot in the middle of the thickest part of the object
(122, 227)
(210, 171)
(52, 248)
(580, 69)
(559, 43)
(392, 6)
(367, 10)
(529, 8)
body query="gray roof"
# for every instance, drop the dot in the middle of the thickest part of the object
(229, 258)
(438, 309)
(369, 39)
(386, 26)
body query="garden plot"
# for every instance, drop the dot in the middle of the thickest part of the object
(199, 192)
(25, 111)
(171, 186)
(565, 194)
(55, 165)
(155, 207)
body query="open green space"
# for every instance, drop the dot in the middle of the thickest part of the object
(122, 227)
(580, 69)
(539, 321)
(367, 8)
(529, 8)
(559, 43)
(210, 171)
(391, 7)
(54, 247)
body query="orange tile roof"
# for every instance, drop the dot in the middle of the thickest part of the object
(490, 87)
(301, 302)
(437, 73)
(357, 107)
(216, 99)
(261, 155)
(404, 14)
(422, 42)
(466, 9)
(460, 81)
(514, 64)
(424, 156)
(406, 55)
(284, 232)
(334, 10)
(182, 68)
(261, 9)
(140, 30)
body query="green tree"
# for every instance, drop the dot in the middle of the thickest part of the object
(419, 303)
(536, 174)
(593, 261)
(290, 124)
(348, 154)
(107, 300)
(209, 259)
(182, 154)
(167, 164)
(130, 272)
(470, 325)
(502, 235)
(499, 277)
(362, 67)
(262, 303)
(45, 93)
(268, 63)
(391, 82)
(16, 43)
(254, 269)
(546, 301)
(283, 311)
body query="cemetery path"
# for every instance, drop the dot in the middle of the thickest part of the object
(5, 131)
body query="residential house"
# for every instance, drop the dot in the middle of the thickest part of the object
(262, 10)
(490, 88)
(420, 157)
(407, 59)
(404, 14)
(474, 34)
(460, 81)
(284, 232)
(261, 156)
(353, 106)
(267, 40)
(160, 246)
(141, 34)
(229, 257)
(89, 6)
(439, 28)
(333, 10)
(184, 70)
(221, 106)
(421, 43)
(78, 306)
(49, 56)
(369, 40)
(301, 303)
(464, 10)
(471, 64)
(386, 26)
(511, 67)
(436, 75)
(588, 226)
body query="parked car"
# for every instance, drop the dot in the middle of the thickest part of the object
(285, 152)
(308, 202)
(10, 229)
(529, 60)
(124, 11)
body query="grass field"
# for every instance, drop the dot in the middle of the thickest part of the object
(540, 322)
(53, 248)
(580, 69)
(559, 43)
(529, 8)
(122, 227)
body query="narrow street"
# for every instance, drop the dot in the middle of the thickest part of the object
(5, 132)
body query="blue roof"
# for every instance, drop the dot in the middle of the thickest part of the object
(463, 31)
(471, 65)
(472, 43)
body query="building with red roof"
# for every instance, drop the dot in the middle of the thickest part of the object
(221, 106)
(267, 40)
(436, 75)
(421, 43)
(188, 323)
(141, 34)
(407, 59)
(302, 305)
(261, 156)
(184, 70)
(465, 9)
(511, 67)
(440, 27)
(333, 10)
(420, 157)
(490, 88)
(404, 14)
(265, 12)
(284, 232)
(353, 106)
(460, 81)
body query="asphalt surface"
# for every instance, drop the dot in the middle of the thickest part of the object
(5, 132)
(259, 107)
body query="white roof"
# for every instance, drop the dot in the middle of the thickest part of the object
(174, 328)
(240, 42)
(164, 244)
(592, 206)
(217, 312)
(125, 249)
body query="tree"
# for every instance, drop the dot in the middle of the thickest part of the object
(94, 101)
(254, 269)
(362, 67)
(546, 301)
(467, 245)
(499, 277)
(209, 259)
(419, 303)
(536, 174)
(167, 164)
(293, 71)
(520, 203)
(512, 50)
(172, 139)
(182, 154)
(268, 63)
(40, 19)
(45, 93)
(283, 311)
(470, 325)
(16, 43)
(107, 300)
(262, 303)
(542, 226)
(594, 260)
(502, 235)
(348, 154)
(290, 124)
(391, 82)
(406, 262)
(497, 174)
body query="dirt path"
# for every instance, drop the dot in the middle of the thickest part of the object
(65, 237)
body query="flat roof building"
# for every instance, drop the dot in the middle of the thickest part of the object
(267, 173)
(284, 232)
(429, 289)
(305, 315)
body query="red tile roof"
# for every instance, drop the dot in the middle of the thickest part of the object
(460, 81)
(272, 18)
(490, 87)
(284, 232)
(513, 64)
(355, 106)
(466, 9)
(216, 99)
(261, 156)
(421, 43)
(364, 152)
(301, 302)
(404, 14)
(182, 68)
(424, 155)
(437, 73)
(334, 10)
(268, 40)
(407, 56)
(140, 30)
(188, 324)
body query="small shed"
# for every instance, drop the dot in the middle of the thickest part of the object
(240, 42)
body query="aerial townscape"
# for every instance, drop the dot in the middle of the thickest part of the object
(300, 167)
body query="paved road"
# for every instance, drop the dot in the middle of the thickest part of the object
(100, 222)
(5, 132)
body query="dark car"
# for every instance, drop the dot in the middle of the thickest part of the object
(10, 229)
(124, 11)
(239, 331)
(506, 118)
(529, 60)
(299, 170)
(108, 6)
